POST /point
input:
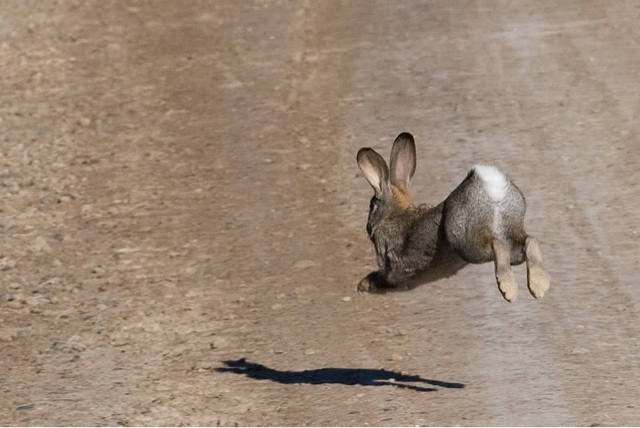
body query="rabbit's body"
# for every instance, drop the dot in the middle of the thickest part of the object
(482, 220)
(486, 205)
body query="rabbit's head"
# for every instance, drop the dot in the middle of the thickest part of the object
(390, 186)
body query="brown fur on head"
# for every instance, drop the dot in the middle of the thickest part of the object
(401, 197)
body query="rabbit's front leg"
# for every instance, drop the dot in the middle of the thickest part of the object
(375, 282)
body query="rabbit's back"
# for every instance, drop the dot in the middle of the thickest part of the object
(486, 205)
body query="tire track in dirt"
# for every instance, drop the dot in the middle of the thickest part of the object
(499, 103)
(429, 88)
(599, 294)
(586, 280)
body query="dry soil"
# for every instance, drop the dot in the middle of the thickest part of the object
(183, 219)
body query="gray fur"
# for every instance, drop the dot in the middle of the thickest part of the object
(416, 244)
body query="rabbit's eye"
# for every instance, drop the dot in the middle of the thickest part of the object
(374, 204)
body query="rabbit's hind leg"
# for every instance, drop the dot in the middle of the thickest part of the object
(537, 277)
(504, 275)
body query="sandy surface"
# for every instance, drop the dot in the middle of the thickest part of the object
(183, 219)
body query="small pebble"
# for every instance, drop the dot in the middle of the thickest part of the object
(25, 407)
(579, 351)
(41, 245)
(8, 336)
(304, 264)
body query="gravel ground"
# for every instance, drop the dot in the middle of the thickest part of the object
(183, 218)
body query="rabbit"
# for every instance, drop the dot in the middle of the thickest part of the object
(482, 220)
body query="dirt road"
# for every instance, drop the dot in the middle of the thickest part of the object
(183, 219)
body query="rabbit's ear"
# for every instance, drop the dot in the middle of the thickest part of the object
(403, 160)
(375, 170)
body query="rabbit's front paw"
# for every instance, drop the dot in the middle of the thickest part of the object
(375, 282)
(366, 285)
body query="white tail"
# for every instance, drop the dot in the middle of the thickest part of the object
(496, 183)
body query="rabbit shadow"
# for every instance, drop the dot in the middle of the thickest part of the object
(341, 376)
